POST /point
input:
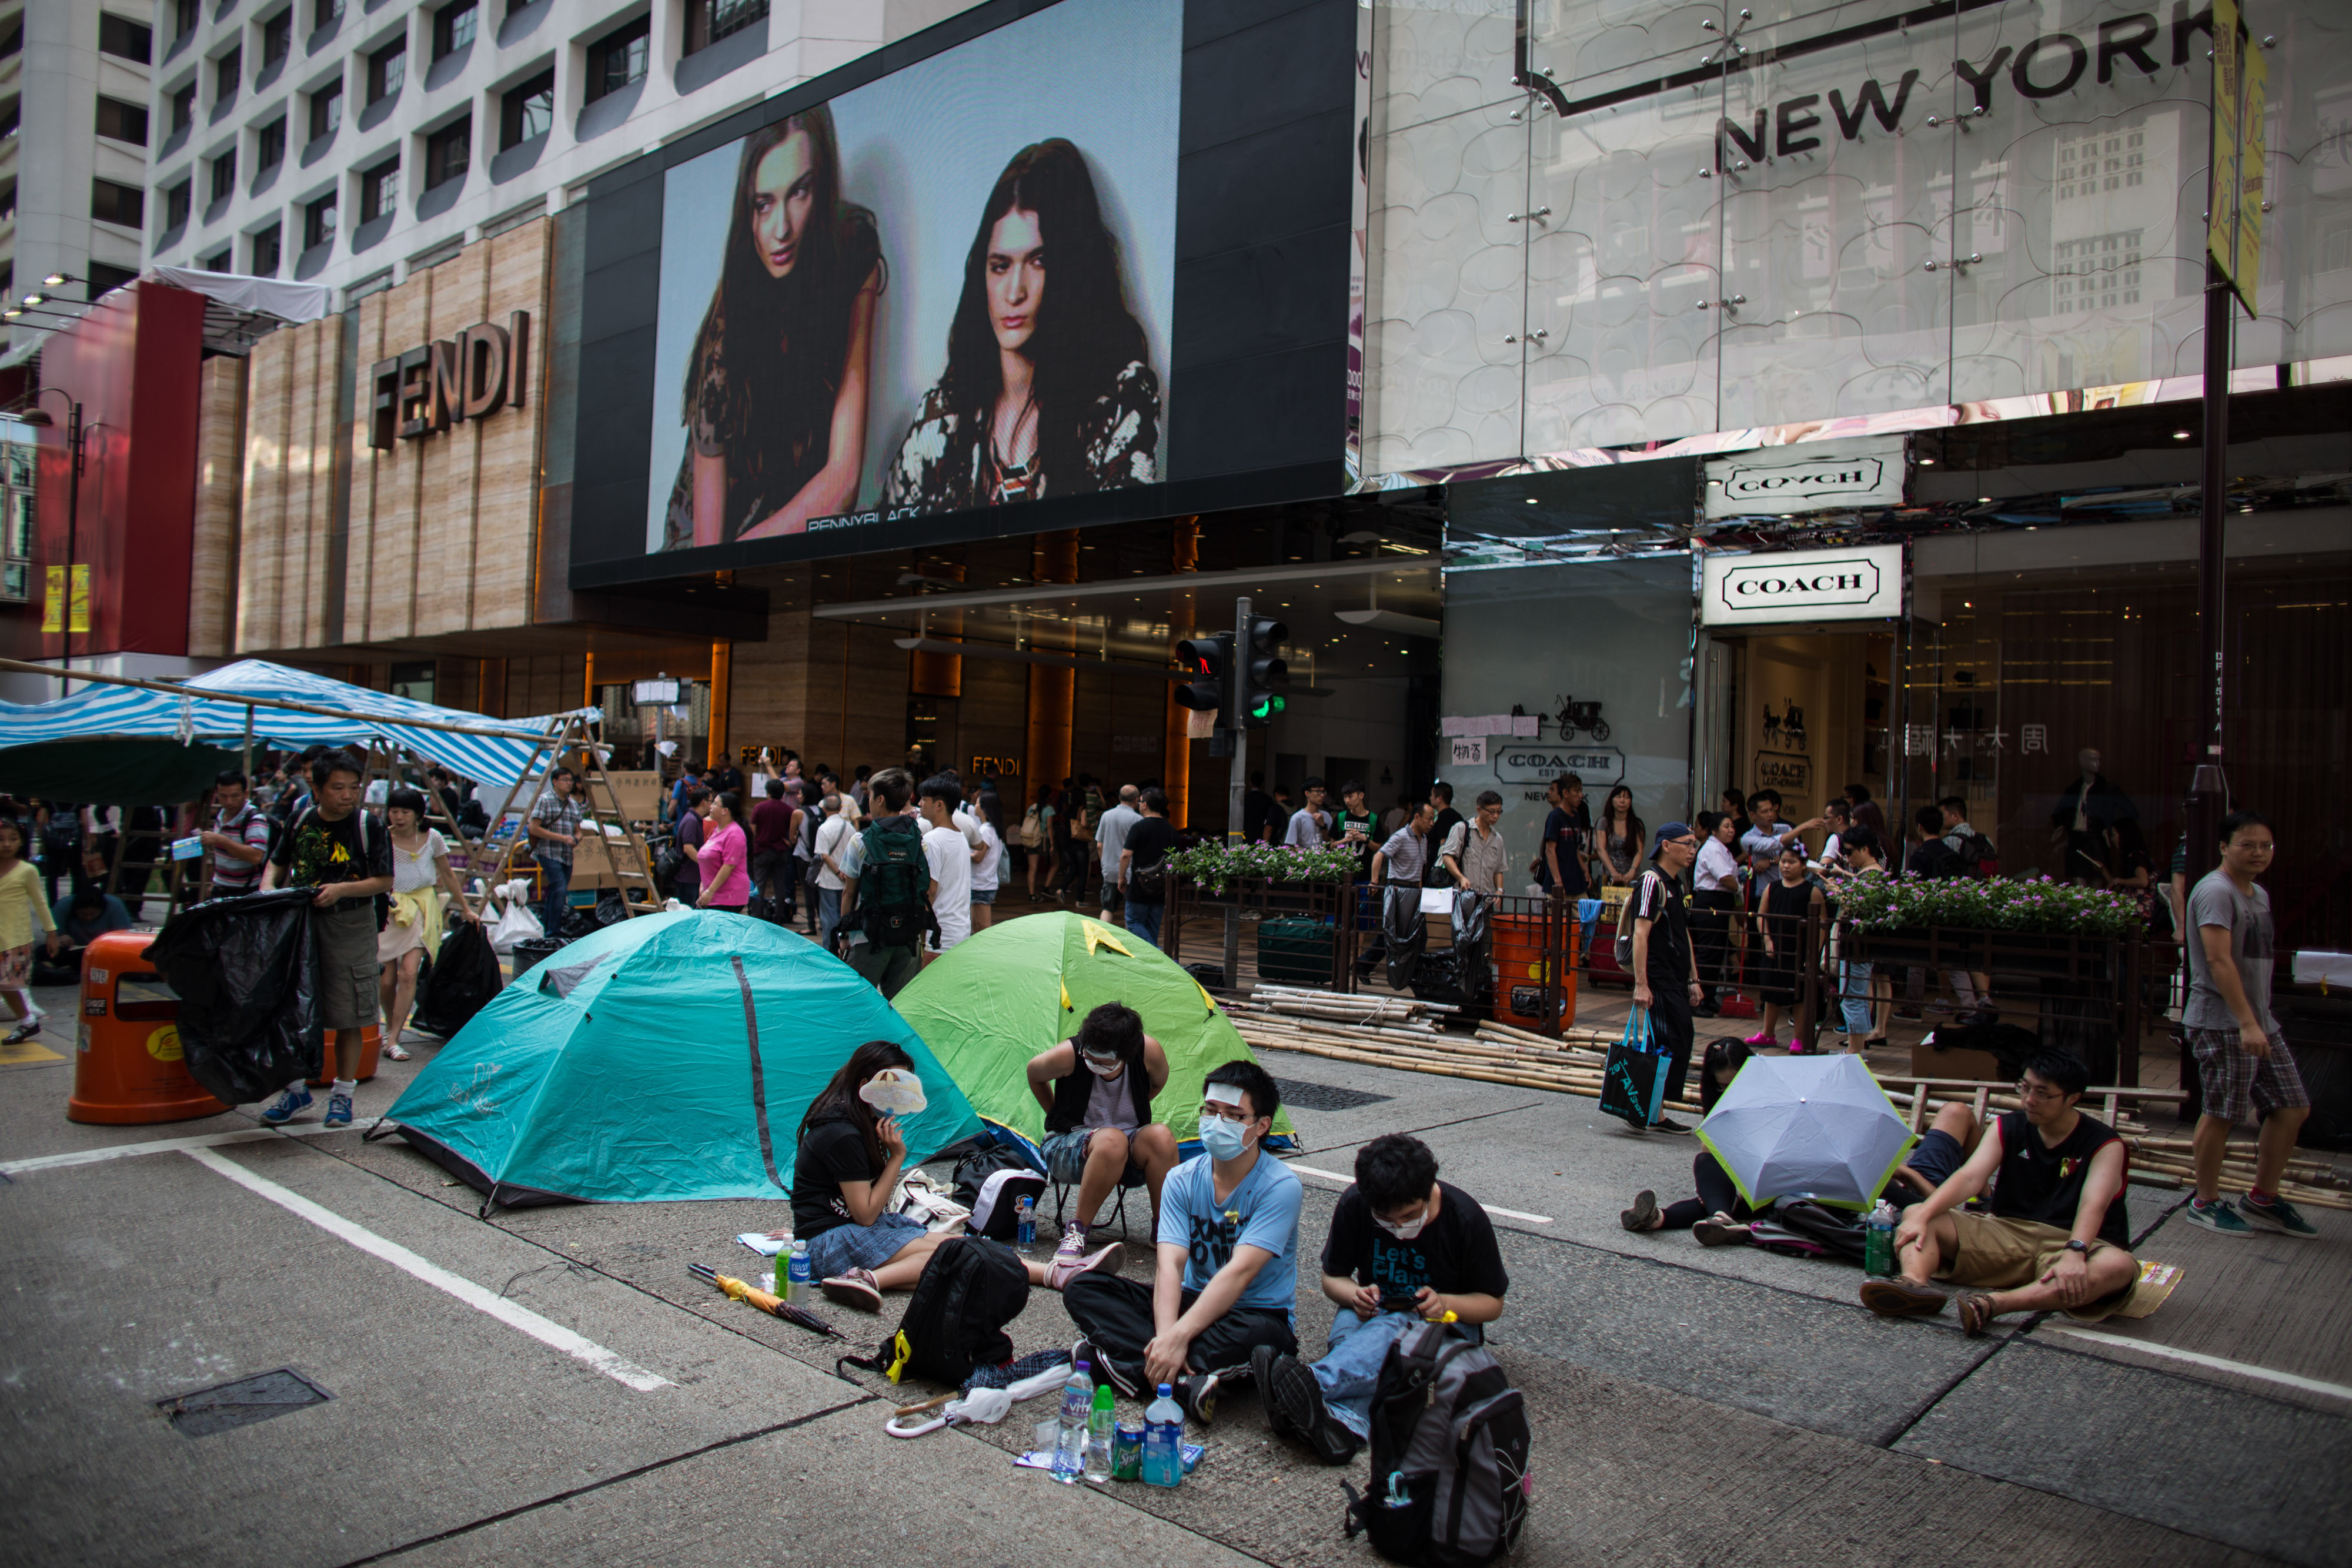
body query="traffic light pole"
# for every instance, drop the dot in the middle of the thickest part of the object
(1237, 784)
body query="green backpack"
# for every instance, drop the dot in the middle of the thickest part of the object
(894, 885)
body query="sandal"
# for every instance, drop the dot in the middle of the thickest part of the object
(1721, 1231)
(394, 1051)
(1974, 1309)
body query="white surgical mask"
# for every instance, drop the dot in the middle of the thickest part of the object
(1403, 1232)
(1225, 1140)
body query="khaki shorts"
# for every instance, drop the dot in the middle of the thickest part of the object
(1996, 1254)
(344, 935)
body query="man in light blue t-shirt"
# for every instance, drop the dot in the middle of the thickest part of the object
(1227, 1278)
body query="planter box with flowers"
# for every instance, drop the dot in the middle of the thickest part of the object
(2036, 926)
(1216, 869)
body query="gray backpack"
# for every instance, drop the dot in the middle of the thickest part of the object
(1450, 1485)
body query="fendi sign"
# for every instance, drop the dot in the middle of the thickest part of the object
(428, 389)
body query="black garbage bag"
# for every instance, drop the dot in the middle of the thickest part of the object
(247, 990)
(461, 982)
(1404, 931)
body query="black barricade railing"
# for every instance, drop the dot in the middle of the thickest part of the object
(1314, 944)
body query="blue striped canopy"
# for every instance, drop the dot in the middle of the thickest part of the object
(498, 757)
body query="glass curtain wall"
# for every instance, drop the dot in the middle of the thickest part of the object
(1816, 210)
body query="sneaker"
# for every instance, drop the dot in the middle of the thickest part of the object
(2278, 1217)
(338, 1112)
(1668, 1125)
(1196, 1393)
(1644, 1214)
(1290, 1389)
(1721, 1231)
(1939, 1006)
(2217, 1216)
(282, 1109)
(858, 1289)
(1073, 1244)
(1901, 1298)
(394, 1051)
(1063, 1269)
(1262, 1359)
(1635, 1123)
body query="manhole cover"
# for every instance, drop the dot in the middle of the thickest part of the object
(1325, 1096)
(242, 1403)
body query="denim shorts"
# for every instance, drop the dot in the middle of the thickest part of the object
(984, 895)
(835, 1252)
(1065, 1157)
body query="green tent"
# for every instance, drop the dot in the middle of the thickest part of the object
(666, 1057)
(1004, 994)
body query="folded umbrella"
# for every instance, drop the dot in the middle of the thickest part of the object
(1806, 1126)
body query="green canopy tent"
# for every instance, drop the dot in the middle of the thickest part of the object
(1004, 994)
(664, 1058)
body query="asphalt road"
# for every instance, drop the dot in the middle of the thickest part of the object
(552, 1385)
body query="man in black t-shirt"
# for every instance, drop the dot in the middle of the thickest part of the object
(1664, 968)
(1404, 1248)
(1140, 876)
(336, 847)
(2058, 1236)
(1561, 862)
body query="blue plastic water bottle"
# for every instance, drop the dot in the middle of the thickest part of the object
(1025, 1226)
(1163, 1440)
(797, 1275)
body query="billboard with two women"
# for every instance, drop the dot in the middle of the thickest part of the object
(946, 289)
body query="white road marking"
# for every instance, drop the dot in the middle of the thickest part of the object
(2220, 1364)
(514, 1316)
(1491, 1208)
(173, 1145)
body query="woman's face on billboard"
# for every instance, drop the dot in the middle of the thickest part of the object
(783, 189)
(1016, 278)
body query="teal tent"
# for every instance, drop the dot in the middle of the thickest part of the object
(666, 1057)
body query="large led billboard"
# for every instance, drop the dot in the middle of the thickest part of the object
(947, 288)
(1077, 262)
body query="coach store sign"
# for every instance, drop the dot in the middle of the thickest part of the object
(430, 388)
(1864, 583)
(1807, 477)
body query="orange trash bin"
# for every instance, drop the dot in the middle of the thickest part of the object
(1522, 968)
(371, 1053)
(128, 1066)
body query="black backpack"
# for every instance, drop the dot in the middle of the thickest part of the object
(894, 883)
(1978, 856)
(1450, 1485)
(955, 1319)
(1841, 1234)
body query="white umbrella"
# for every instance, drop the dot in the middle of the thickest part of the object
(1806, 1126)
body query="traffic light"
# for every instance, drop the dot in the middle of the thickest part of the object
(1206, 661)
(1260, 670)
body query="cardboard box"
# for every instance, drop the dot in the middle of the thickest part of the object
(1927, 1062)
(639, 794)
(593, 860)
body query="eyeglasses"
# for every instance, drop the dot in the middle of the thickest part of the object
(2038, 1091)
(1224, 1112)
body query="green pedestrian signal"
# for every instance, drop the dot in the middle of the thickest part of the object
(1258, 669)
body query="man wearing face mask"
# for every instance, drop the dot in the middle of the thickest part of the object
(1403, 1247)
(1099, 1127)
(1227, 1277)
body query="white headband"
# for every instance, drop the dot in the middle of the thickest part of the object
(1222, 1093)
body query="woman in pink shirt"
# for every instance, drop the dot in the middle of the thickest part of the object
(725, 856)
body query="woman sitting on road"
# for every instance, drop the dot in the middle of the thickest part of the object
(845, 1174)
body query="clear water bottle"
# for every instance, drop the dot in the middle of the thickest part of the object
(1163, 1440)
(1878, 1244)
(1070, 1435)
(1025, 1226)
(797, 1275)
(1102, 1426)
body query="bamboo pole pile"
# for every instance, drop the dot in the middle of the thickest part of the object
(1539, 1065)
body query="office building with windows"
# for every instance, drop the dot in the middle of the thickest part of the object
(340, 142)
(74, 131)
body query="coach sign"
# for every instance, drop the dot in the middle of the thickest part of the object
(430, 388)
(1864, 583)
(1807, 478)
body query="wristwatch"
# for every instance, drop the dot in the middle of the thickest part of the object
(2082, 1246)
